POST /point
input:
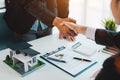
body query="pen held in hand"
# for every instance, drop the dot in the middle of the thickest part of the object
(81, 59)
(58, 60)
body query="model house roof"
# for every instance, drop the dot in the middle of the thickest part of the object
(24, 47)
(19, 46)
(29, 52)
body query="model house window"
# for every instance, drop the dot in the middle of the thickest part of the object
(30, 62)
(34, 59)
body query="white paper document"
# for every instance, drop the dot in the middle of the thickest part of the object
(71, 66)
(84, 49)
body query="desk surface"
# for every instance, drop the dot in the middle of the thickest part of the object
(50, 72)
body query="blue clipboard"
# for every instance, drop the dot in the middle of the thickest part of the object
(58, 50)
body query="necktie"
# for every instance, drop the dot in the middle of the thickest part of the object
(39, 26)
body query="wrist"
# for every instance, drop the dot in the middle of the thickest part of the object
(82, 30)
(56, 21)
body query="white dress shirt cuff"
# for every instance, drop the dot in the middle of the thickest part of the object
(90, 33)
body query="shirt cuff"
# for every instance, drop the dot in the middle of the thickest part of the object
(90, 33)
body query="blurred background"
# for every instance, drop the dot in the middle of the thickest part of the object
(90, 12)
(86, 12)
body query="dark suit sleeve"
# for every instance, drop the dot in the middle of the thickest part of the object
(48, 12)
(42, 10)
(108, 38)
(108, 71)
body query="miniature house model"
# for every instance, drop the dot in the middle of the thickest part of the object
(26, 57)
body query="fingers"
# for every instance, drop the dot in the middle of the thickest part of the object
(64, 23)
(66, 31)
(61, 36)
(58, 20)
(71, 26)
(71, 20)
(69, 32)
(69, 38)
(72, 33)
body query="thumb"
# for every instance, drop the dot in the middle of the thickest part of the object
(70, 26)
(72, 20)
(64, 23)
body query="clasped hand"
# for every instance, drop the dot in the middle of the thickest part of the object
(65, 32)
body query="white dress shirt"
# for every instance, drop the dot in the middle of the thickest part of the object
(90, 33)
(36, 24)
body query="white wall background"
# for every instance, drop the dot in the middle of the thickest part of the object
(90, 12)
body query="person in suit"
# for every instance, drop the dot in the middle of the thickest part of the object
(36, 18)
(111, 66)
(101, 36)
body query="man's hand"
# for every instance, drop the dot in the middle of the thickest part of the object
(58, 20)
(78, 29)
(72, 26)
(65, 31)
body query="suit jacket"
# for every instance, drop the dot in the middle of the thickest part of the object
(21, 20)
(108, 38)
(108, 71)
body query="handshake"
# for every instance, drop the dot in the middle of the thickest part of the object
(67, 27)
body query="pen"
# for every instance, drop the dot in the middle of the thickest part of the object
(58, 60)
(81, 59)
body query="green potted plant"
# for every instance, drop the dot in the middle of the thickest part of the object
(110, 24)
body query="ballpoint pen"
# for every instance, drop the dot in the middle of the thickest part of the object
(58, 60)
(81, 59)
